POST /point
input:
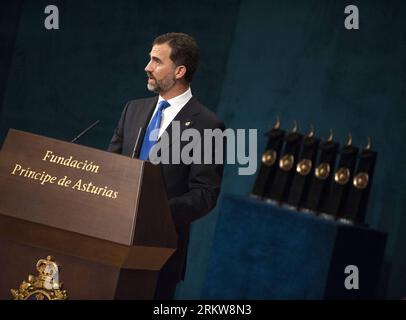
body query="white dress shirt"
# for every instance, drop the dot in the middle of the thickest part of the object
(176, 104)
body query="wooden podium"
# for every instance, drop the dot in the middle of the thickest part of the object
(103, 217)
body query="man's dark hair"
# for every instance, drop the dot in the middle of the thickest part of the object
(184, 51)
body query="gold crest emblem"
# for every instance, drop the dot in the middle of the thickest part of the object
(304, 167)
(322, 171)
(342, 176)
(360, 181)
(286, 162)
(45, 286)
(269, 158)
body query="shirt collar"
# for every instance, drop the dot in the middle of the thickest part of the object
(180, 100)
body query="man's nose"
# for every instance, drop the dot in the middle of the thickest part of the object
(148, 67)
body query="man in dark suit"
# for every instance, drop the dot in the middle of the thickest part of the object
(192, 189)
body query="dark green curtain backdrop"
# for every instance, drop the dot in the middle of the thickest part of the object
(259, 60)
(63, 80)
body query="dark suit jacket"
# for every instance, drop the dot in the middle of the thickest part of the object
(192, 189)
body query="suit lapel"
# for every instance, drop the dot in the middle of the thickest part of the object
(145, 116)
(140, 122)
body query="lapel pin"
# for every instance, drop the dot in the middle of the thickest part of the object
(187, 123)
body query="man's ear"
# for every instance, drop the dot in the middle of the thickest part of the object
(180, 72)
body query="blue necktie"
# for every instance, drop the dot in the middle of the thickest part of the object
(155, 124)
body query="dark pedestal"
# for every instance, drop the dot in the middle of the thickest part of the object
(263, 251)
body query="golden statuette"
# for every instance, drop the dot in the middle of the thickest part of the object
(269, 157)
(277, 124)
(295, 127)
(286, 162)
(311, 133)
(369, 145)
(45, 286)
(349, 141)
(342, 176)
(322, 171)
(331, 135)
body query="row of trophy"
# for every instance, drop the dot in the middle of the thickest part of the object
(301, 171)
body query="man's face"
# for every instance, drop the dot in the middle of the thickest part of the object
(160, 69)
